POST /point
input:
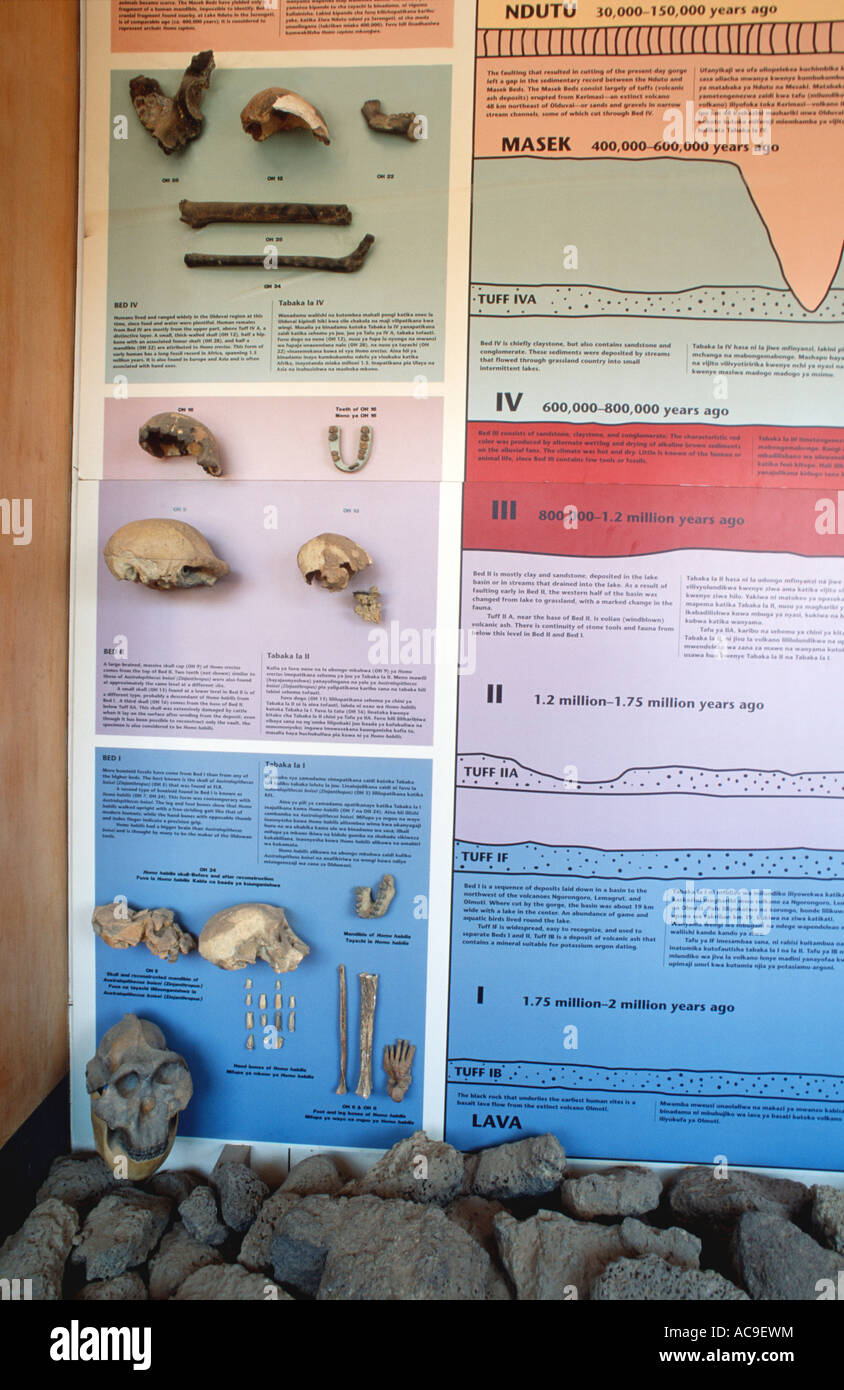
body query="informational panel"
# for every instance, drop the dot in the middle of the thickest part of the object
(459, 570)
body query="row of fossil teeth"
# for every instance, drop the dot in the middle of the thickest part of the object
(173, 435)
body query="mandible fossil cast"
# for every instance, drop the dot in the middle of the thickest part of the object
(173, 121)
(163, 554)
(156, 927)
(138, 1088)
(238, 936)
(276, 110)
(331, 560)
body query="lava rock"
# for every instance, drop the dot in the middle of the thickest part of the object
(177, 1257)
(78, 1180)
(655, 1279)
(417, 1169)
(551, 1257)
(700, 1199)
(525, 1168)
(403, 1251)
(241, 1194)
(255, 1249)
(828, 1216)
(39, 1250)
(477, 1216)
(199, 1213)
(175, 1183)
(777, 1261)
(675, 1245)
(121, 1231)
(305, 1235)
(125, 1288)
(228, 1282)
(314, 1175)
(621, 1191)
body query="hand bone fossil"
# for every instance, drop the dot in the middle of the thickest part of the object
(366, 906)
(137, 1089)
(196, 260)
(368, 997)
(403, 123)
(198, 215)
(277, 109)
(171, 435)
(163, 554)
(173, 121)
(331, 560)
(240, 935)
(398, 1060)
(363, 453)
(120, 926)
(368, 604)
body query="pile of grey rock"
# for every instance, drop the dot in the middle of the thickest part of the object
(429, 1222)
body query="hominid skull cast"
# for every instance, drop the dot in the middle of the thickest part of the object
(137, 1090)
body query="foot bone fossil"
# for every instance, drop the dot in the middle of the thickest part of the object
(198, 215)
(398, 1060)
(196, 260)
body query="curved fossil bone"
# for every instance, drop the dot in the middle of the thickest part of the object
(364, 449)
(398, 1060)
(163, 554)
(367, 906)
(403, 123)
(155, 927)
(173, 121)
(331, 560)
(277, 109)
(240, 935)
(355, 259)
(171, 435)
(314, 214)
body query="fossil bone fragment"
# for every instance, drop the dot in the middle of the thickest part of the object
(263, 1020)
(247, 984)
(173, 121)
(171, 435)
(277, 1003)
(279, 1021)
(331, 560)
(163, 554)
(368, 996)
(367, 906)
(250, 1020)
(364, 449)
(368, 604)
(403, 123)
(279, 1040)
(198, 215)
(155, 927)
(344, 1032)
(398, 1060)
(291, 1021)
(276, 110)
(355, 259)
(248, 999)
(137, 1089)
(240, 935)
(250, 1042)
(262, 1001)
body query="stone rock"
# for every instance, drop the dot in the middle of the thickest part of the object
(175, 1183)
(675, 1245)
(126, 1288)
(229, 1283)
(477, 1216)
(621, 1191)
(699, 1199)
(828, 1216)
(241, 1194)
(255, 1248)
(39, 1250)
(417, 1169)
(121, 1231)
(177, 1257)
(77, 1180)
(777, 1261)
(524, 1168)
(312, 1176)
(553, 1257)
(199, 1213)
(306, 1233)
(403, 1251)
(655, 1279)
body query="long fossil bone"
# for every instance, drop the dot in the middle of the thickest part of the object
(315, 214)
(368, 996)
(362, 456)
(354, 261)
(344, 1032)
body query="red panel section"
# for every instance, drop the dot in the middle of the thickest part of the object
(596, 519)
(705, 455)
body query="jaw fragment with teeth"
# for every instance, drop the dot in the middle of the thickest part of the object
(163, 554)
(173, 121)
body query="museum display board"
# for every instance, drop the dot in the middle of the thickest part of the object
(459, 565)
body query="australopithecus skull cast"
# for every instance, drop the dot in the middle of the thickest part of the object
(137, 1089)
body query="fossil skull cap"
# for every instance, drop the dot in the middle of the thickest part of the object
(138, 1088)
(331, 560)
(238, 936)
(163, 554)
(277, 109)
